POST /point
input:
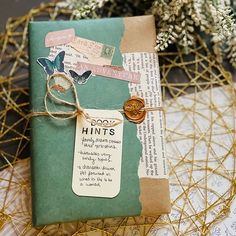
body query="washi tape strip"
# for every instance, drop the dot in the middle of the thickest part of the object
(60, 37)
(110, 71)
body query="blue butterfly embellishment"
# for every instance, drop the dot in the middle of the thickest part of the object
(80, 79)
(50, 66)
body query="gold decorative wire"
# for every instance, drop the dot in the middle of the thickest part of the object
(181, 75)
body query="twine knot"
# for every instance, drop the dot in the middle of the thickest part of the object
(77, 109)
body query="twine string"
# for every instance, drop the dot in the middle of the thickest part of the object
(197, 70)
(77, 109)
(62, 115)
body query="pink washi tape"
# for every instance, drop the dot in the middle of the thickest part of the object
(60, 37)
(111, 72)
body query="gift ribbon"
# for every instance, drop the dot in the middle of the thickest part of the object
(78, 110)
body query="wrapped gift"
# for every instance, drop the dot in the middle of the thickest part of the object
(98, 143)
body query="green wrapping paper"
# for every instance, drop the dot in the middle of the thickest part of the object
(52, 145)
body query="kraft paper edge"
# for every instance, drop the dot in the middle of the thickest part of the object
(140, 36)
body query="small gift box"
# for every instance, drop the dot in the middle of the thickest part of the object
(98, 144)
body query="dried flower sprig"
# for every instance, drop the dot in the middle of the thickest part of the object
(177, 20)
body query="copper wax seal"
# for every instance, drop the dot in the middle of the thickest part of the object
(134, 109)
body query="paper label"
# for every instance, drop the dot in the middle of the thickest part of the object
(59, 37)
(97, 53)
(98, 155)
(151, 131)
(111, 72)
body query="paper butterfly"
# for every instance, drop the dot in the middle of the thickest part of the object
(50, 66)
(80, 79)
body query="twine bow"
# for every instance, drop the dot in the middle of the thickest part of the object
(77, 111)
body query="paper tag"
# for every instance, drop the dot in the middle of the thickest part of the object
(111, 72)
(98, 155)
(59, 37)
(97, 53)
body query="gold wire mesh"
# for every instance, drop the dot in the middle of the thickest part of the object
(181, 75)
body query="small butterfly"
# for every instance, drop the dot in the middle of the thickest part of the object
(80, 79)
(50, 66)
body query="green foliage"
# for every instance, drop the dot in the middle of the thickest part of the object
(176, 20)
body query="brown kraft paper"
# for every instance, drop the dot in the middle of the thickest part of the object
(154, 193)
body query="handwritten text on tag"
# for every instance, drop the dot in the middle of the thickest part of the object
(98, 155)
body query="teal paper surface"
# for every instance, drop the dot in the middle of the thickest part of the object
(52, 145)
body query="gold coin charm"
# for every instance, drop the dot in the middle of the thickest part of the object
(134, 109)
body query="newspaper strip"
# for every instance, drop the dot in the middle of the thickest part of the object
(153, 163)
